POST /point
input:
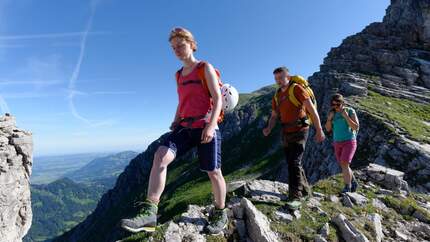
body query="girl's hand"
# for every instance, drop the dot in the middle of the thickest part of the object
(208, 134)
(344, 113)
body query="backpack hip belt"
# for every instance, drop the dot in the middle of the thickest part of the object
(301, 122)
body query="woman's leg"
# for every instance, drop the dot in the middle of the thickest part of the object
(346, 172)
(157, 179)
(218, 187)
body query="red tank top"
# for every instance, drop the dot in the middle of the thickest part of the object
(194, 99)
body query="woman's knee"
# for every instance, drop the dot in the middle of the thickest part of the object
(216, 174)
(344, 165)
(162, 157)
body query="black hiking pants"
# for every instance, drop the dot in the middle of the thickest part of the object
(294, 147)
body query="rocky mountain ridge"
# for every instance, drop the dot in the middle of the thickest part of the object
(256, 213)
(384, 73)
(16, 159)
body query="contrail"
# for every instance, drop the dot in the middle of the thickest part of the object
(3, 105)
(76, 71)
(5, 82)
(48, 35)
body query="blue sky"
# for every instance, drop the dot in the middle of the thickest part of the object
(90, 76)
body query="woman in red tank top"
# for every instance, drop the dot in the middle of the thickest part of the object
(195, 125)
(194, 102)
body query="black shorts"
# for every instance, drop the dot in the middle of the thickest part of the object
(184, 139)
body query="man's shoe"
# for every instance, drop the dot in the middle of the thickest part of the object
(218, 221)
(145, 220)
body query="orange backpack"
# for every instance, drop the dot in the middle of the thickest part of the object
(201, 73)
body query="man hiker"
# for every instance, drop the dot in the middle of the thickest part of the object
(195, 125)
(292, 105)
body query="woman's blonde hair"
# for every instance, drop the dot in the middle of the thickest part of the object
(185, 34)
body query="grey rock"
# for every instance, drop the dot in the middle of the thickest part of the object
(384, 176)
(238, 212)
(266, 191)
(348, 230)
(15, 170)
(379, 204)
(241, 228)
(357, 198)
(375, 221)
(346, 201)
(188, 227)
(325, 230)
(284, 217)
(333, 199)
(385, 191)
(258, 225)
(313, 202)
(421, 228)
(232, 186)
(318, 194)
(401, 235)
(353, 89)
(418, 214)
(172, 233)
(319, 238)
(297, 214)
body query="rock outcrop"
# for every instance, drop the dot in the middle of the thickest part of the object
(16, 159)
(392, 59)
(319, 219)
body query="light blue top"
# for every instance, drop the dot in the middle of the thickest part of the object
(341, 129)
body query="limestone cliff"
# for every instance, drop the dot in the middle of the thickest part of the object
(16, 157)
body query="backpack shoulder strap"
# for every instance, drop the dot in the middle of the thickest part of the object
(177, 74)
(291, 95)
(276, 97)
(201, 73)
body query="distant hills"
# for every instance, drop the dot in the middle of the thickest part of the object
(102, 168)
(60, 205)
(47, 169)
(65, 202)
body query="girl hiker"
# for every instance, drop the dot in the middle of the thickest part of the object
(195, 125)
(343, 122)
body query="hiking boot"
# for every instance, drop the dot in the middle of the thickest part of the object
(354, 185)
(145, 220)
(218, 221)
(346, 189)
